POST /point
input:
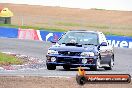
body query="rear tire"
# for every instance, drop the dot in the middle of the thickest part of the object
(51, 67)
(111, 64)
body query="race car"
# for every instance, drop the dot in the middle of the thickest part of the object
(81, 49)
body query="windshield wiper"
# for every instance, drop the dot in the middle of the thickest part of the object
(63, 43)
(69, 43)
(89, 44)
(73, 44)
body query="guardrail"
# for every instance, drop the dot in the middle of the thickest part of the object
(42, 35)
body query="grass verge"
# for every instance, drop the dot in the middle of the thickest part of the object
(9, 60)
(33, 27)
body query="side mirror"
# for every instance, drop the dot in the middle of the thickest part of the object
(103, 44)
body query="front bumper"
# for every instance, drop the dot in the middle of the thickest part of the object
(74, 61)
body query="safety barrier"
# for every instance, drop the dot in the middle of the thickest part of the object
(27, 34)
(42, 35)
(120, 41)
(8, 32)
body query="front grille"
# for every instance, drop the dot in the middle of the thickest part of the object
(68, 53)
(68, 60)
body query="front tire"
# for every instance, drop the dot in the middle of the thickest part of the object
(97, 66)
(51, 67)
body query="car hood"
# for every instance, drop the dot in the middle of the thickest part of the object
(84, 48)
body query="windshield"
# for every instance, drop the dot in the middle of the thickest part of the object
(86, 38)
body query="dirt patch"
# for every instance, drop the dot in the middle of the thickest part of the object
(45, 82)
(66, 18)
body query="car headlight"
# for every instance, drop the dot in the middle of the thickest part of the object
(53, 59)
(52, 52)
(87, 54)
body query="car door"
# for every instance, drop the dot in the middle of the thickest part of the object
(105, 56)
(104, 50)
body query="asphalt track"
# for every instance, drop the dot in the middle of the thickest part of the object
(38, 49)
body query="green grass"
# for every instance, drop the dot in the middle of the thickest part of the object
(9, 60)
(97, 9)
(33, 27)
(53, 29)
(9, 25)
